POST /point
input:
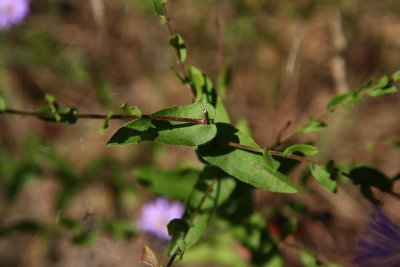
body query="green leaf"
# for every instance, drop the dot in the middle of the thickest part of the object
(2, 104)
(159, 181)
(346, 100)
(323, 177)
(307, 259)
(177, 42)
(270, 160)
(307, 150)
(396, 76)
(50, 98)
(106, 122)
(132, 110)
(169, 131)
(313, 125)
(148, 257)
(197, 81)
(63, 115)
(246, 166)
(384, 86)
(159, 9)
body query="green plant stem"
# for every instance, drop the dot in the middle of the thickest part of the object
(103, 117)
(272, 152)
(193, 216)
(203, 120)
(180, 62)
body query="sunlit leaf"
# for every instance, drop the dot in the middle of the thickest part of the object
(323, 177)
(177, 42)
(307, 150)
(132, 110)
(313, 125)
(246, 166)
(270, 160)
(169, 131)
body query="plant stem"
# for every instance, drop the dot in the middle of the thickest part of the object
(203, 120)
(194, 214)
(103, 116)
(180, 62)
(272, 152)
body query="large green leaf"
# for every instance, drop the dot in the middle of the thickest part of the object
(169, 131)
(246, 166)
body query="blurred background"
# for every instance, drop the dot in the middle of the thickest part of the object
(59, 183)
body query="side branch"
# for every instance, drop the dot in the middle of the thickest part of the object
(103, 116)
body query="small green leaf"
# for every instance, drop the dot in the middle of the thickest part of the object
(2, 104)
(196, 80)
(313, 125)
(106, 122)
(63, 115)
(246, 166)
(346, 100)
(177, 42)
(148, 257)
(396, 76)
(270, 160)
(50, 98)
(132, 110)
(307, 150)
(323, 177)
(169, 131)
(307, 259)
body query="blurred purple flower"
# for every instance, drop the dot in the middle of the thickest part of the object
(12, 12)
(156, 215)
(380, 244)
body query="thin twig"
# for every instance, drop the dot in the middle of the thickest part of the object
(180, 62)
(103, 116)
(272, 152)
(193, 216)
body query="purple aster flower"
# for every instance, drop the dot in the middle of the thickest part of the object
(380, 244)
(12, 12)
(156, 215)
